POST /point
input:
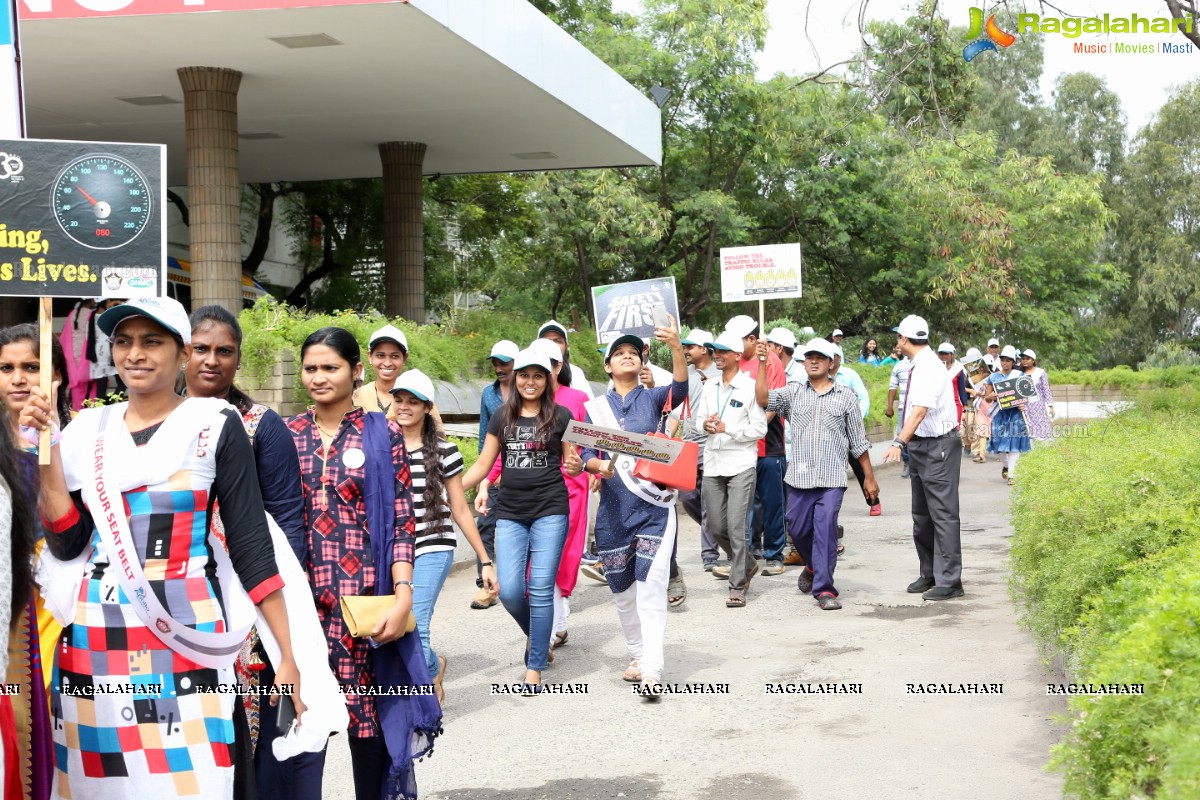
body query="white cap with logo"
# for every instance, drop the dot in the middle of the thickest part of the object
(1030, 353)
(913, 327)
(166, 311)
(1009, 352)
(836, 332)
(822, 346)
(741, 326)
(698, 337)
(728, 340)
(388, 333)
(504, 350)
(547, 348)
(945, 347)
(782, 337)
(416, 383)
(993, 342)
(531, 358)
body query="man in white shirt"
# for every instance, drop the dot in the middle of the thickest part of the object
(930, 435)
(734, 422)
(897, 386)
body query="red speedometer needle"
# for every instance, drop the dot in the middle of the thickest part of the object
(85, 194)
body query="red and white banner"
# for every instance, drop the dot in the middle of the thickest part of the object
(74, 9)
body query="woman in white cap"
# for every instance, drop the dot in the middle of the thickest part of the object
(1010, 435)
(532, 513)
(1039, 410)
(388, 353)
(636, 524)
(570, 374)
(438, 498)
(128, 497)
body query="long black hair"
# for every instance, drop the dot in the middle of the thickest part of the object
(339, 340)
(23, 491)
(867, 353)
(510, 412)
(222, 316)
(28, 332)
(434, 498)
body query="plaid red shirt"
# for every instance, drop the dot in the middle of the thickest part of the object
(335, 517)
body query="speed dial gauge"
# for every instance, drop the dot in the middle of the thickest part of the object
(101, 201)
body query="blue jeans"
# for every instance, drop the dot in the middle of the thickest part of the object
(429, 573)
(532, 546)
(768, 491)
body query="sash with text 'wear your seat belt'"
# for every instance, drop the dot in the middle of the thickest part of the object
(601, 413)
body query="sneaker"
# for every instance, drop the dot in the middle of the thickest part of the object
(904, 472)
(484, 599)
(828, 602)
(589, 558)
(920, 585)
(943, 593)
(793, 559)
(773, 568)
(593, 571)
(877, 510)
(708, 566)
(721, 571)
(804, 583)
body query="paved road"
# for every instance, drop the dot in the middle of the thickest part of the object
(883, 743)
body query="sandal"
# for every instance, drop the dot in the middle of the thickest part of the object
(559, 640)
(978, 460)
(676, 591)
(651, 689)
(437, 681)
(632, 673)
(1004, 472)
(1010, 481)
(737, 598)
(841, 548)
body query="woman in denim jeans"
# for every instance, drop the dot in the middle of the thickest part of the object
(531, 526)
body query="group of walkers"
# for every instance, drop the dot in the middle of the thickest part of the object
(191, 539)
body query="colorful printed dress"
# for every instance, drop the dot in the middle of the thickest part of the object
(1009, 431)
(339, 548)
(130, 716)
(1037, 412)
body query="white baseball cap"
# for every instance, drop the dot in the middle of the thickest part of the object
(945, 347)
(837, 348)
(166, 311)
(505, 350)
(913, 327)
(388, 333)
(973, 354)
(836, 332)
(993, 342)
(728, 340)
(547, 348)
(1009, 352)
(1030, 353)
(416, 383)
(698, 337)
(741, 326)
(531, 358)
(822, 346)
(782, 337)
(552, 325)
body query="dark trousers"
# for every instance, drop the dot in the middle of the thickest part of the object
(694, 507)
(299, 777)
(487, 532)
(934, 466)
(766, 517)
(813, 516)
(370, 762)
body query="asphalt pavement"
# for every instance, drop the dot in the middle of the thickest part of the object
(779, 700)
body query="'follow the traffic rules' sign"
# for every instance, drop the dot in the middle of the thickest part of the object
(82, 219)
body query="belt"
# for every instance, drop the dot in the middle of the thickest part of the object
(931, 438)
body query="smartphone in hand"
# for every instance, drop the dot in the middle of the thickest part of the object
(659, 312)
(285, 714)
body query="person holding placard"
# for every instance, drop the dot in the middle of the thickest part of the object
(127, 498)
(1039, 410)
(1010, 433)
(636, 524)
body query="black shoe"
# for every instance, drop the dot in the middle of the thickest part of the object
(943, 593)
(841, 531)
(804, 582)
(920, 585)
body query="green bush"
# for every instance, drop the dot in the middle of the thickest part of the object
(1106, 573)
(1170, 354)
(1124, 377)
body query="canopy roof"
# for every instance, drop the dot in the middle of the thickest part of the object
(488, 85)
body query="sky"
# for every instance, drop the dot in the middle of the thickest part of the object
(1141, 81)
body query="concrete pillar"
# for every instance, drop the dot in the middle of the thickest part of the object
(214, 186)
(404, 229)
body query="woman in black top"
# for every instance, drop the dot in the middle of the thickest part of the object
(531, 525)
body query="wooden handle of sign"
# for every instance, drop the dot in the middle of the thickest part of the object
(762, 322)
(46, 373)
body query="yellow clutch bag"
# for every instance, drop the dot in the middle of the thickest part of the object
(362, 613)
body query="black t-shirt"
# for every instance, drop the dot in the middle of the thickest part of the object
(775, 445)
(531, 479)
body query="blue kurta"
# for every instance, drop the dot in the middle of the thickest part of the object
(1010, 434)
(629, 529)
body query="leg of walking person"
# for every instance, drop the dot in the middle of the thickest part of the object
(546, 538)
(723, 530)
(369, 761)
(297, 778)
(693, 506)
(923, 531)
(825, 507)
(738, 496)
(652, 603)
(430, 571)
(769, 476)
(940, 473)
(512, 565)
(631, 624)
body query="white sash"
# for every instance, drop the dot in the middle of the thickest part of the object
(102, 494)
(601, 413)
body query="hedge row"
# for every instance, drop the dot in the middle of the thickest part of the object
(1106, 573)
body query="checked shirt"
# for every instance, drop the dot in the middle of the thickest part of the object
(823, 430)
(339, 546)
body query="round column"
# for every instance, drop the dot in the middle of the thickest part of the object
(214, 185)
(404, 229)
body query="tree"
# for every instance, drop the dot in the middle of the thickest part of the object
(1087, 126)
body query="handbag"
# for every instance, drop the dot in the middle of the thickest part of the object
(680, 474)
(362, 613)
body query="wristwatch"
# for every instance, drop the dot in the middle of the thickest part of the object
(898, 442)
